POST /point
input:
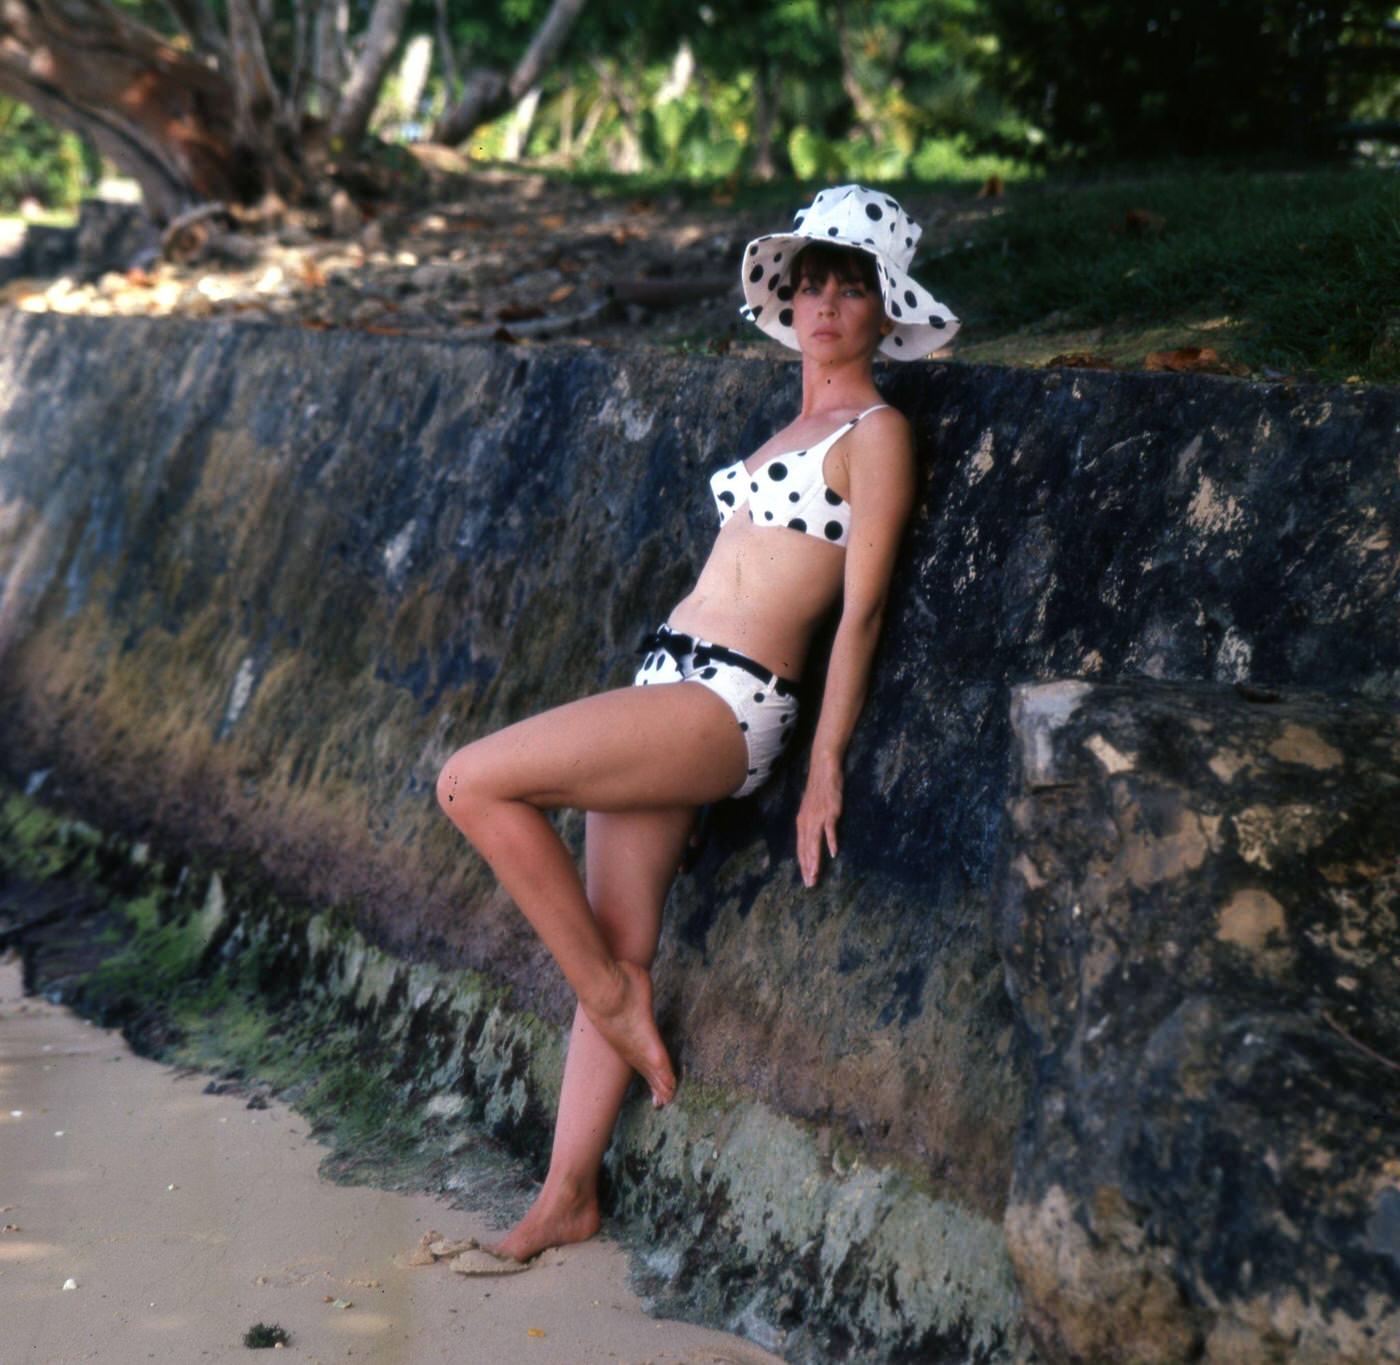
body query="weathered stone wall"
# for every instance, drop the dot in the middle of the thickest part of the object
(257, 584)
(1201, 924)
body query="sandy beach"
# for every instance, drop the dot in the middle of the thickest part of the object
(184, 1218)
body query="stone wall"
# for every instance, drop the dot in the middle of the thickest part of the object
(258, 583)
(1201, 924)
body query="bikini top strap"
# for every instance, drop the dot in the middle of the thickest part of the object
(831, 436)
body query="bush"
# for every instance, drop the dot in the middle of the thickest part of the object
(38, 159)
(1134, 78)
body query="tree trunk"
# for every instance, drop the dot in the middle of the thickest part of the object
(257, 104)
(682, 70)
(408, 93)
(451, 84)
(297, 87)
(332, 45)
(489, 94)
(566, 124)
(198, 21)
(867, 115)
(141, 102)
(519, 131)
(591, 120)
(626, 155)
(764, 121)
(381, 40)
(181, 129)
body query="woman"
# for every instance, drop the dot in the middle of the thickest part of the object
(836, 485)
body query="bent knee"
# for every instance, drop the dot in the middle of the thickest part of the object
(471, 782)
(458, 792)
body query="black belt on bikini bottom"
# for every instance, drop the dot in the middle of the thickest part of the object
(678, 646)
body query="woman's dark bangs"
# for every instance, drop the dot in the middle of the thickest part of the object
(818, 261)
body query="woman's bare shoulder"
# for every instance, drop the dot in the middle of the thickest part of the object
(889, 418)
(884, 434)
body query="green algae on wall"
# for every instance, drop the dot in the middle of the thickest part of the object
(869, 1247)
(759, 1222)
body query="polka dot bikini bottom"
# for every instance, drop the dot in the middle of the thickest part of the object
(766, 710)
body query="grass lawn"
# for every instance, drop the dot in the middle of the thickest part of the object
(1280, 270)
(1285, 270)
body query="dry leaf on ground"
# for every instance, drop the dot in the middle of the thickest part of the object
(1197, 359)
(1141, 223)
(1080, 360)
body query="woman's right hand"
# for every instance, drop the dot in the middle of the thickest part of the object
(817, 817)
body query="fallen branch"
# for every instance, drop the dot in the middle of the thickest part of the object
(669, 293)
(194, 236)
(190, 217)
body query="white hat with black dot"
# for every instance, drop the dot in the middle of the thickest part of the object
(870, 221)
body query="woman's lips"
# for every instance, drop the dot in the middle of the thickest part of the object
(826, 332)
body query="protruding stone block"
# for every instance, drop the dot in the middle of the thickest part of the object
(1200, 919)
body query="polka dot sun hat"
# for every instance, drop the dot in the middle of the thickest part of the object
(849, 215)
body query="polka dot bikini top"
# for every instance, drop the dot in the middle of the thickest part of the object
(788, 490)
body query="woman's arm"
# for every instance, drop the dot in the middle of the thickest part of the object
(880, 459)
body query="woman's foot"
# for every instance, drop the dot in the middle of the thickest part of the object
(556, 1218)
(630, 1028)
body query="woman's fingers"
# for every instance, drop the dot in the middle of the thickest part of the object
(816, 820)
(808, 849)
(811, 833)
(804, 852)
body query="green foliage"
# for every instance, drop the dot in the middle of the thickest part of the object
(38, 160)
(915, 64)
(156, 14)
(953, 159)
(1138, 78)
(685, 137)
(874, 90)
(813, 157)
(489, 35)
(39, 844)
(922, 98)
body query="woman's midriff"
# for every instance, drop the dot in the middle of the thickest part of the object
(763, 592)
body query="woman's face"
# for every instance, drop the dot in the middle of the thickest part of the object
(838, 320)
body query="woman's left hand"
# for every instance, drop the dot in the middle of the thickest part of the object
(817, 817)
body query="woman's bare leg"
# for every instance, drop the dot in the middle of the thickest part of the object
(631, 860)
(630, 749)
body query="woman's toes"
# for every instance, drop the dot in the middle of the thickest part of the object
(663, 1089)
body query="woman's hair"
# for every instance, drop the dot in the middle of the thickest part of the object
(849, 264)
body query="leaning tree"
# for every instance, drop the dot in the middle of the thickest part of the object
(201, 100)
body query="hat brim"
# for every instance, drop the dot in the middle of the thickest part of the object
(921, 323)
